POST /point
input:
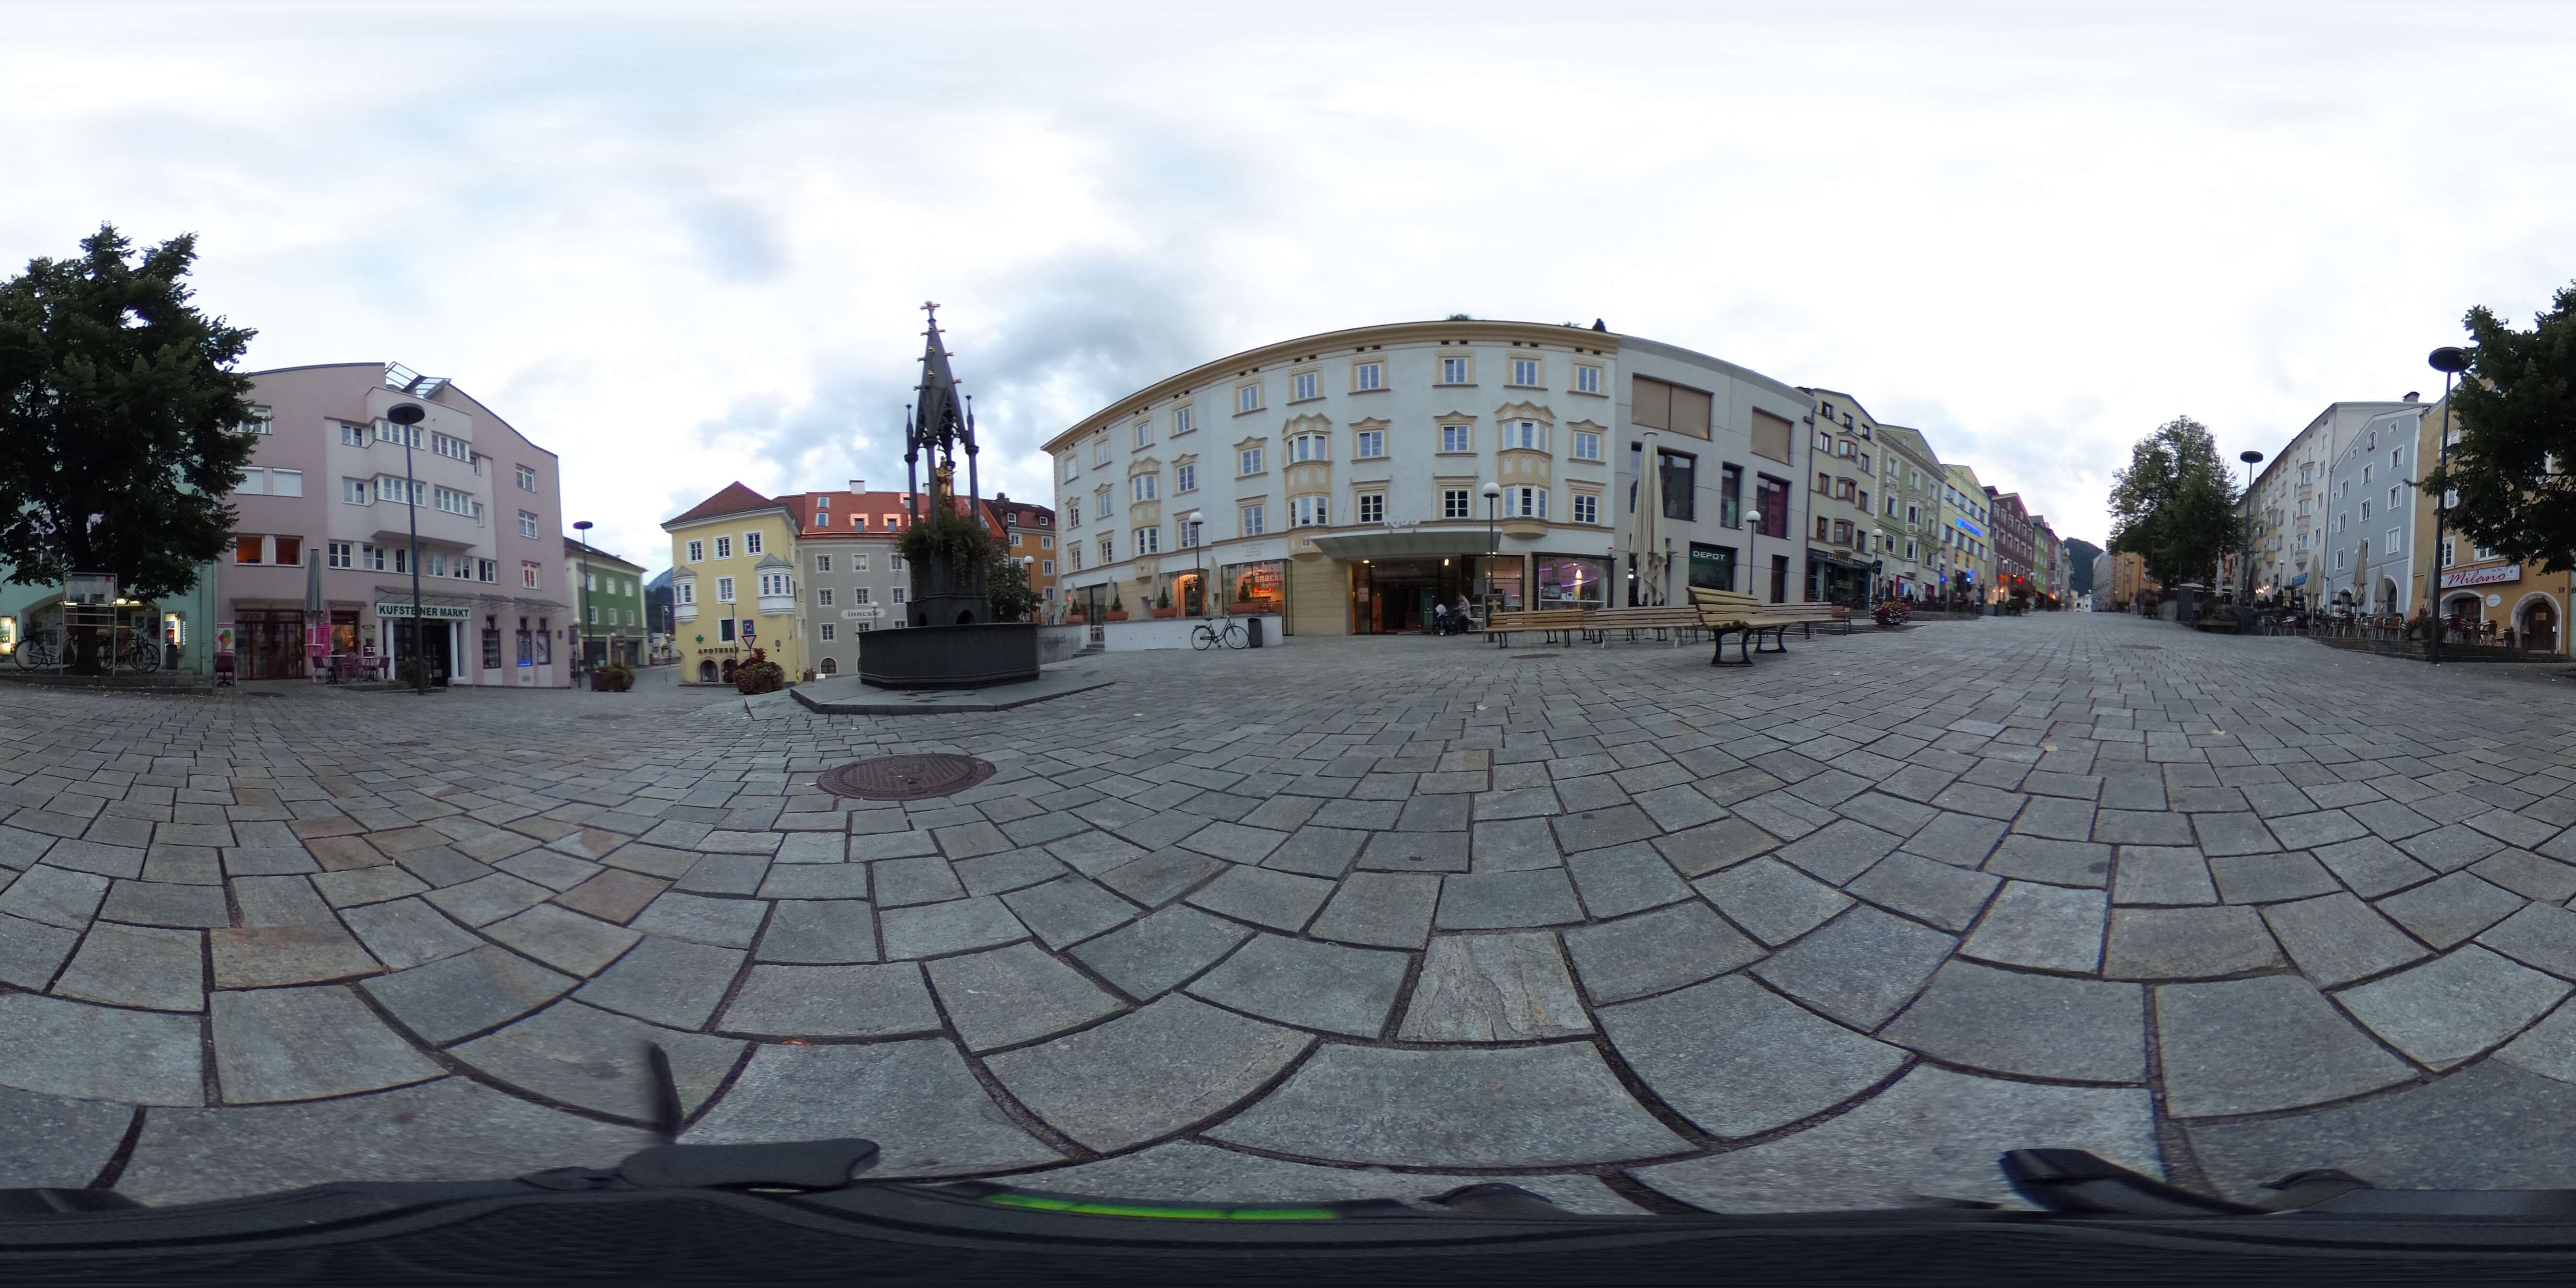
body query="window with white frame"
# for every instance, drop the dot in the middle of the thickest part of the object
(1144, 487)
(356, 492)
(697, 552)
(2392, 496)
(352, 435)
(1455, 371)
(1525, 372)
(822, 563)
(527, 524)
(827, 634)
(1149, 541)
(1182, 420)
(1454, 503)
(1372, 507)
(1528, 502)
(1308, 512)
(1526, 434)
(823, 597)
(775, 583)
(1108, 551)
(1252, 520)
(451, 447)
(1305, 447)
(1247, 398)
(1457, 438)
(527, 479)
(1185, 478)
(1072, 466)
(751, 543)
(898, 598)
(1587, 378)
(724, 547)
(1587, 445)
(1144, 433)
(1368, 445)
(257, 424)
(1047, 566)
(1302, 386)
(858, 563)
(1366, 376)
(1587, 508)
(1100, 504)
(859, 595)
(724, 590)
(488, 571)
(527, 576)
(1100, 450)
(342, 555)
(1248, 461)
(400, 435)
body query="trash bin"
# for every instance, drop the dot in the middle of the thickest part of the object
(1252, 631)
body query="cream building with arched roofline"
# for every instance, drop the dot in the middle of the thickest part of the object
(1339, 480)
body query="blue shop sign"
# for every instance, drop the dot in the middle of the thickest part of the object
(1969, 528)
(2300, 580)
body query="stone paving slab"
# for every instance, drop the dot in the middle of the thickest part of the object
(2026, 848)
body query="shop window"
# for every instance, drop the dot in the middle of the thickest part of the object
(491, 644)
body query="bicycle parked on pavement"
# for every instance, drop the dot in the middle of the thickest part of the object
(1207, 635)
(41, 652)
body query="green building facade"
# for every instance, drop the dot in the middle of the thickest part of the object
(608, 602)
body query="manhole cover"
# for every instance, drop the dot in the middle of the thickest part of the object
(906, 778)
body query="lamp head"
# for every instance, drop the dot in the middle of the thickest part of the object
(405, 413)
(1492, 488)
(2450, 358)
(581, 525)
(2249, 456)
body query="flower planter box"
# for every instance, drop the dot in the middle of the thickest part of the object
(1166, 612)
(1113, 617)
(1251, 607)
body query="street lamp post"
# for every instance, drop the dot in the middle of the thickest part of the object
(2450, 360)
(408, 415)
(582, 659)
(1493, 497)
(2245, 598)
(1198, 558)
(1752, 525)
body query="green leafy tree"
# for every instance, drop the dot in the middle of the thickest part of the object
(120, 421)
(2174, 507)
(1006, 588)
(2514, 421)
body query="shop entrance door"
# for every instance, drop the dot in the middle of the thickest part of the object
(271, 645)
(1397, 596)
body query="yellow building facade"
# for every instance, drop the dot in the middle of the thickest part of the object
(2527, 605)
(734, 586)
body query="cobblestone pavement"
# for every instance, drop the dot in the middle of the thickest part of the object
(1338, 919)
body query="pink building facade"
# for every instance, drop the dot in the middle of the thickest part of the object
(330, 478)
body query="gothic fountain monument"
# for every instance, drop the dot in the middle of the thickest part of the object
(949, 640)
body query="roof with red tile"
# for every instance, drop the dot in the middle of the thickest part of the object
(734, 499)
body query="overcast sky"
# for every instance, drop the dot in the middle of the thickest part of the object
(684, 246)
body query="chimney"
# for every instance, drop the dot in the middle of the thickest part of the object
(2413, 396)
(858, 485)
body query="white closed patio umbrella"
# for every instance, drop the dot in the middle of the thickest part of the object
(1646, 527)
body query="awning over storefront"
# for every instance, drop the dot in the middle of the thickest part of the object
(1823, 557)
(1403, 543)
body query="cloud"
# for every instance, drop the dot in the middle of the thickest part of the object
(739, 240)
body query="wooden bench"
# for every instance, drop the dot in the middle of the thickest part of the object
(1808, 615)
(1725, 612)
(1552, 623)
(1598, 624)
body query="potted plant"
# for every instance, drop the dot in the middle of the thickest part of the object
(1892, 614)
(611, 677)
(1117, 609)
(1163, 604)
(759, 675)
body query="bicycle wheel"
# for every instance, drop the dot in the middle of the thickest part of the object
(33, 656)
(1234, 635)
(1203, 637)
(143, 658)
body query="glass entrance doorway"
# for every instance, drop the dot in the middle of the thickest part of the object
(1400, 596)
